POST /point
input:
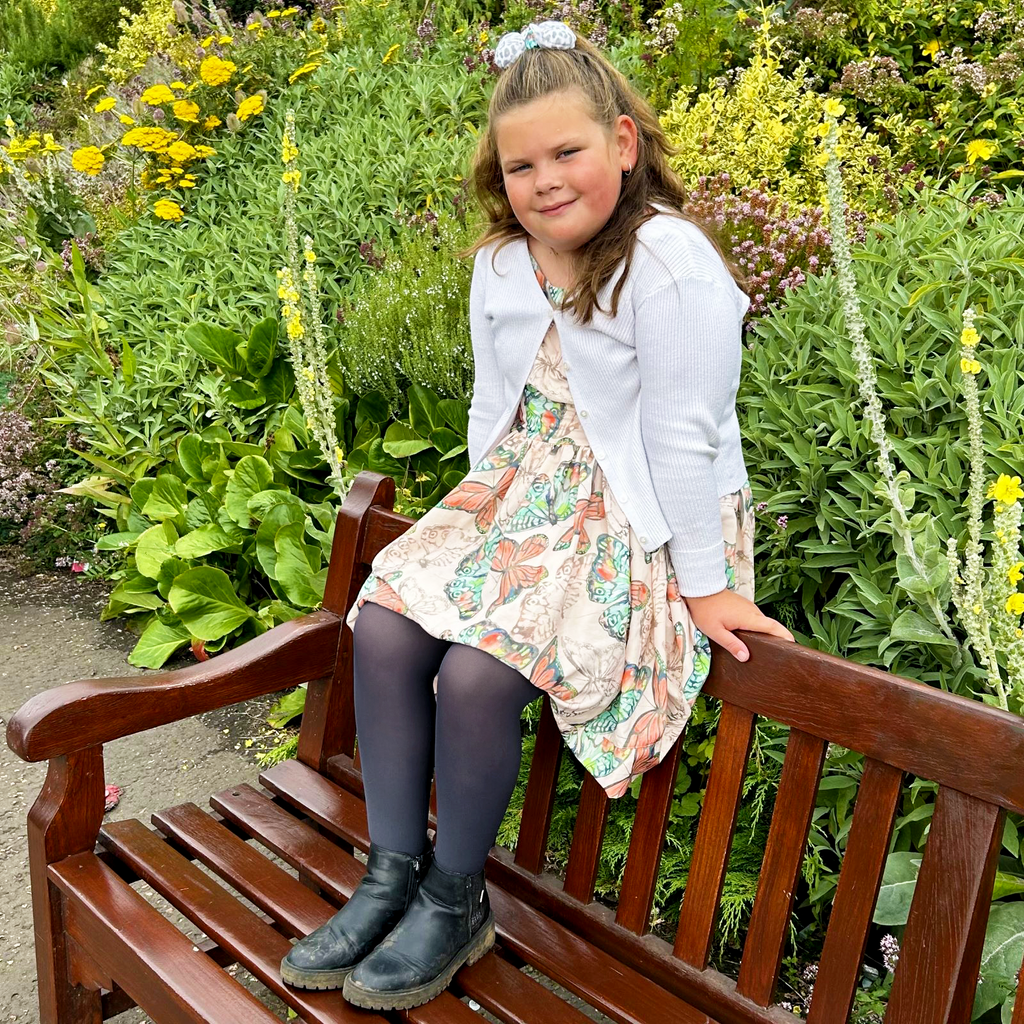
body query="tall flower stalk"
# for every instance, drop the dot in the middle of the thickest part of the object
(307, 343)
(989, 604)
(866, 373)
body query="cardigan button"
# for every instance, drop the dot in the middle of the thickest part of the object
(584, 413)
(567, 367)
(643, 540)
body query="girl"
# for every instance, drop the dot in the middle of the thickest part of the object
(602, 535)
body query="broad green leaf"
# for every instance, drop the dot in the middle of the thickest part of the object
(252, 475)
(116, 541)
(278, 383)
(206, 539)
(192, 449)
(206, 602)
(259, 352)
(401, 441)
(262, 502)
(1007, 885)
(216, 344)
(157, 643)
(455, 414)
(167, 500)
(244, 395)
(287, 708)
(155, 546)
(916, 628)
(1000, 957)
(278, 516)
(298, 566)
(898, 882)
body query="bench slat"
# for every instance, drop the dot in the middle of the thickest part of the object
(941, 949)
(769, 919)
(151, 960)
(498, 986)
(210, 906)
(539, 801)
(617, 990)
(280, 894)
(854, 903)
(646, 841)
(587, 837)
(703, 891)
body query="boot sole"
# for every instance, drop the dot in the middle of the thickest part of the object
(315, 980)
(407, 998)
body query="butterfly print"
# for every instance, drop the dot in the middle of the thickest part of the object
(479, 498)
(586, 508)
(549, 502)
(609, 583)
(494, 640)
(465, 589)
(508, 560)
(548, 675)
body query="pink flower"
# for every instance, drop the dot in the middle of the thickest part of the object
(79, 566)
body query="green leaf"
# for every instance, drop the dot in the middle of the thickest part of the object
(244, 395)
(262, 502)
(157, 643)
(297, 566)
(252, 475)
(259, 352)
(192, 449)
(276, 518)
(116, 541)
(401, 441)
(1007, 885)
(455, 414)
(155, 546)
(916, 628)
(279, 382)
(898, 882)
(167, 500)
(204, 541)
(1000, 956)
(206, 602)
(127, 361)
(287, 708)
(216, 344)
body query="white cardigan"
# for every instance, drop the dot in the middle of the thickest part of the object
(655, 387)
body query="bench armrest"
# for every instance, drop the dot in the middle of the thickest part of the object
(89, 712)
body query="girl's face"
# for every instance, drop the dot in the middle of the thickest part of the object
(552, 153)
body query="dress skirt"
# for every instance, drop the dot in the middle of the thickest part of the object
(531, 559)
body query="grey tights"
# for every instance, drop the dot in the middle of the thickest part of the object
(470, 737)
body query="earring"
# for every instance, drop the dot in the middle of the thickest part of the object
(626, 172)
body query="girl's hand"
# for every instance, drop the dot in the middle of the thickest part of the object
(717, 614)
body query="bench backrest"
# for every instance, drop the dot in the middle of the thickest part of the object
(974, 753)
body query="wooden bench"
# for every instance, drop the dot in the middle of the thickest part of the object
(100, 947)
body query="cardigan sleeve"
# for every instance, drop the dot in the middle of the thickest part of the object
(484, 406)
(689, 350)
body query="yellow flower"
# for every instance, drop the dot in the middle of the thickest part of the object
(1006, 489)
(94, 89)
(304, 70)
(834, 108)
(289, 151)
(186, 110)
(215, 71)
(970, 366)
(88, 160)
(969, 336)
(167, 209)
(51, 145)
(394, 49)
(178, 85)
(202, 152)
(310, 256)
(273, 14)
(931, 48)
(212, 122)
(157, 94)
(288, 11)
(249, 106)
(181, 150)
(187, 182)
(125, 119)
(224, 40)
(254, 27)
(987, 90)
(107, 103)
(1015, 604)
(292, 178)
(977, 609)
(339, 454)
(206, 42)
(1014, 574)
(980, 149)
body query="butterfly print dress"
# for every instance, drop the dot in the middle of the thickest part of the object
(531, 559)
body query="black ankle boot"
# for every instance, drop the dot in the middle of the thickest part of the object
(325, 957)
(449, 923)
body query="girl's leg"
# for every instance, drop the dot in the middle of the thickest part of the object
(478, 750)
(394, 664)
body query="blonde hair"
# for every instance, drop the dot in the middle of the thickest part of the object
(541, 72)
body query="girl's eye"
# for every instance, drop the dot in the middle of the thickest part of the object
(521, 166)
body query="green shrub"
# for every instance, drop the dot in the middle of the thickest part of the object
(45, 46)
